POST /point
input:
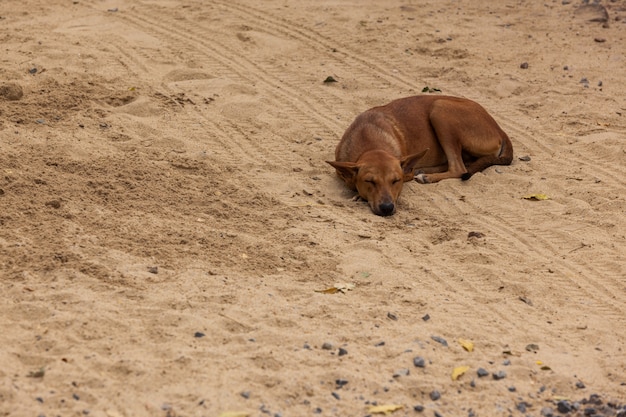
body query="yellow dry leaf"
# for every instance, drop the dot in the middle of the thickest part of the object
(330, 290)
(467, 344)
(234, 414)
(385, 409)
(539, 363)
(459, 371)
(536, 197)
(342, 288)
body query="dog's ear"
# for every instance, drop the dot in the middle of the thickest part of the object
(346, 170)
(409, 164)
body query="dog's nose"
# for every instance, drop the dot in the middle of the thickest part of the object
(386, 209)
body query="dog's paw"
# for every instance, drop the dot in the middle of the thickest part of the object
(422, 178)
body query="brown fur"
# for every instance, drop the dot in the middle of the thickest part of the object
(427, 138)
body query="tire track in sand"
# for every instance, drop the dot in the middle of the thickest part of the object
(600, 284)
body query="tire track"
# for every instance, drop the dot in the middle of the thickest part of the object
(365, 64)
(537, 245)
(274, 154)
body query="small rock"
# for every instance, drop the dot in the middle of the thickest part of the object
(507, 362)
(392, 316)
(327, 346)
(33, 70)
(475, 234)
(524, 158)
(426, 317)
(435, 395)
(440, 340)
(499, 375)
(317, 410)
(198, 335)
(419, 362)
(599, 40)
(580, 385)
(382, 343)
(306, 346)
(589, 411)
(512, 389)
(401, 372)
(532, 347)
(437, 414)
(547, 412)
(337, 397)
(522, 406)
(40, 121)
(342, 352)
(153, 269)
(563, 407)
(76, 397)
(245, 394)
(482, 372)
(524, 65)
(341, 382)
(418, 408)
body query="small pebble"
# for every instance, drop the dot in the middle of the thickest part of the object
(401, 372)
(439, 340)
(317, 411)
(337, 397)
(435, 395)
(418, 408)
(512, 389)
(392, 316)
(419, 362)
(342, 352)
(341, 382)
(33, 70)
(437, 414)
(306, 346)
(524, 65)
(426, 317)
(580, 385)
(522, 406)
(198, 334)
(481, 372)
(153, 269)
(547, 412)
(76, 397)
(327, 346)
(590, 411)
(380, 344)
(563, 407)
(245, 394)
(499, 375)
(506, 362)
(39, 399)
(524, 158)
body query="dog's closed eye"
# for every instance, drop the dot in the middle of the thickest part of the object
(397, 180)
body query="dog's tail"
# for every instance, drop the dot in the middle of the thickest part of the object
(504, 158)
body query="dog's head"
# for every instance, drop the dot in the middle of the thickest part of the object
(378, 177)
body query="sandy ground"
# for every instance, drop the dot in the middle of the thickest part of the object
(168, 222)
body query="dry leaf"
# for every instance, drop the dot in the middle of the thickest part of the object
(385, 409)
(342, 288)
(467, 344)
(234, 414)
(536, 197)
(459, 371)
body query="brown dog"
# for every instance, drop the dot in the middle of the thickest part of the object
(427, 138)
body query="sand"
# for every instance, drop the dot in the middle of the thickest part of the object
(168, 224)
